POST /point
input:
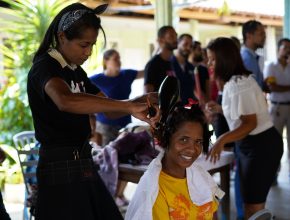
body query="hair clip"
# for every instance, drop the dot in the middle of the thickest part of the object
(190, 103)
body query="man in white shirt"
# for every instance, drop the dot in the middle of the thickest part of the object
(277, 76)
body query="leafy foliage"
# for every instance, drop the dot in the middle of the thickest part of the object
(24, 27)
(10, 171)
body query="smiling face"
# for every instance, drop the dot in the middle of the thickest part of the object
(77, 50)
(185, 146)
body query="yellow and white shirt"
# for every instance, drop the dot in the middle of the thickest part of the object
(173, 201)
(201, 191)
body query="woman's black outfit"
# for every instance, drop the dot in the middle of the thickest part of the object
(69, 187)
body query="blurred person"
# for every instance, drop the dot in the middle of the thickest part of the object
(115, 83)
(213, 87)
(183, 69)
(254, 37)
(277, 77)
(260, 146)
(204, 61)
(159, 65)
(202, 84)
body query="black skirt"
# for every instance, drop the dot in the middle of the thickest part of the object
(73, 194)
(260, 157)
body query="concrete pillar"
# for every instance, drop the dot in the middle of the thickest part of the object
(270, 45)
(163, 13)
(286, 26)
(194, 29)
(239, 34)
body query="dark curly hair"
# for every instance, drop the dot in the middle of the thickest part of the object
(176, 118)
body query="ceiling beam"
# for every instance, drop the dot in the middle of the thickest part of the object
(197, 13)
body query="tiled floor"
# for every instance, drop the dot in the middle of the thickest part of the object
(278, 199)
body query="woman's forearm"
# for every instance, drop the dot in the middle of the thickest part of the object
(248, 123)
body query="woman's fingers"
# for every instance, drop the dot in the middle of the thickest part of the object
(213, 155)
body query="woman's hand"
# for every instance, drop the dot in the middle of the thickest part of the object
(213, 107)
(211, 110)
(215, 152)
(140, 111)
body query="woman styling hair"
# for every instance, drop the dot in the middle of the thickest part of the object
(61, 97)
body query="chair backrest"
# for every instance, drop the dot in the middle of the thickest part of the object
(263, 214)
(26, 146)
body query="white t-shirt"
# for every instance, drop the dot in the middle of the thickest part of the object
(282, 78)
(243, 96)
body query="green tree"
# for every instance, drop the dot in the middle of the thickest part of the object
(23, 29)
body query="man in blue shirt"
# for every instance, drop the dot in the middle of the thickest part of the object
(254, 37)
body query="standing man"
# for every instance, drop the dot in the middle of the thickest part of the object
(202, 84)
(277, 76)
(183, 69)
(160, 66)
(254, 37)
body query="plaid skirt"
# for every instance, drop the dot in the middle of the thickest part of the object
(73, 190)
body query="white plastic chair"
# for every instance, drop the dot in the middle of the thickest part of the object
(263, 214)
(25, 143)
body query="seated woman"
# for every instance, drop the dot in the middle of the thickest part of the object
(174, 187)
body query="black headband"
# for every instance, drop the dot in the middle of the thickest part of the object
(71, 17)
